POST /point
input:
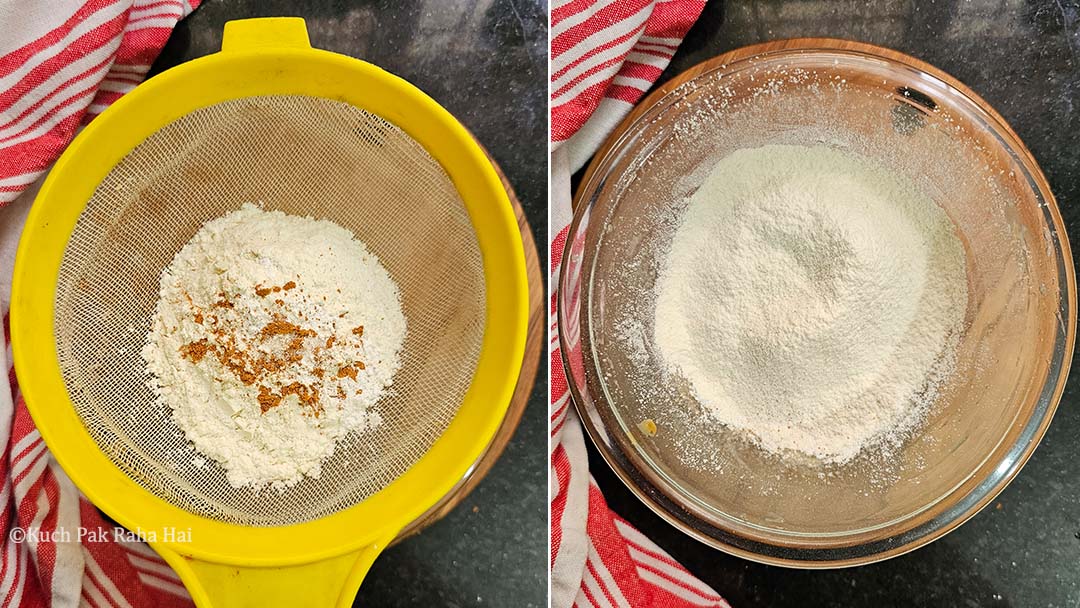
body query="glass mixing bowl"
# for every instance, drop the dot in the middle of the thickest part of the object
(1012, 359)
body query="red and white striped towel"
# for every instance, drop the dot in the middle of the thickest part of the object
(61, 63)
(604, 55)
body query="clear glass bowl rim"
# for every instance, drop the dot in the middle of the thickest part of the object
(963, 507)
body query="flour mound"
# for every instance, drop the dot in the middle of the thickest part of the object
(273, 338)
(812, 300)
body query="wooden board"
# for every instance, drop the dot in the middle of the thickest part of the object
(530, 364)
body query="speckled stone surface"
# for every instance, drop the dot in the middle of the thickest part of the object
(1023, 550)
(486, 62)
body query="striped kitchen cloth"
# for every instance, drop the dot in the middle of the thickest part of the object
(61, 63)
(604, 55)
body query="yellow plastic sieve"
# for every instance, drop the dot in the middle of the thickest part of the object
(308, 132)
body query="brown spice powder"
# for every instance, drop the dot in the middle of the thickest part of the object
(280, 327)
(307, 395)
(251, 369)
(267, 399)
(292, 351)
(195, 351)
(262, 292)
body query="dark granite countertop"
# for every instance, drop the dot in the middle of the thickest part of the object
(486, 62)
(1024, 550)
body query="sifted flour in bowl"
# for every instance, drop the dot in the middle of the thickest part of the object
(811, 299)
(274, 336)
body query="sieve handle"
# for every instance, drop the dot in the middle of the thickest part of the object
(331, 582)
(266, 32)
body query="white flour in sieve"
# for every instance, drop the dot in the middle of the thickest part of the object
(811, 299)
(273, 337)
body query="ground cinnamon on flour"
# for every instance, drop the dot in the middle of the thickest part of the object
(244, 374)
(252, 369)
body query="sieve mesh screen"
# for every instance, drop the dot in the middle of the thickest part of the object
(303, 156)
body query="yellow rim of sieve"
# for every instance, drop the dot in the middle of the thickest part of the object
(268, 57)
